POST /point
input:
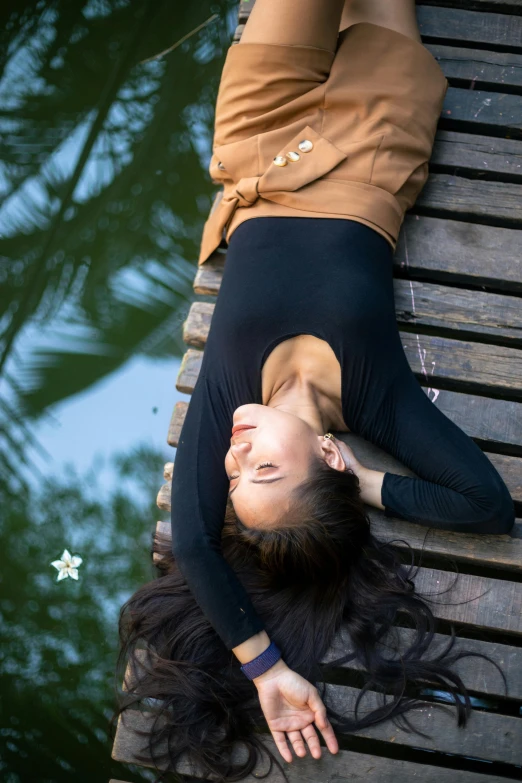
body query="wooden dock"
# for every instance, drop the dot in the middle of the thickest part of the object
(458, 288)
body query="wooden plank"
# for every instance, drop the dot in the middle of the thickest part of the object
(475, 601)
(342, 698)
(128, 745)
(462, 252)
(503, 552)
(492, 202)
(346, 765)
(189, 371)
(478, 675)
(493, 423)
(501, 31)
(488, 736)
(208, 277)
(473, 366)
(479, 156)
(176, 422)
(458, 312)
(163, 497)
(481, 111)
(502, 6)
(478, 67)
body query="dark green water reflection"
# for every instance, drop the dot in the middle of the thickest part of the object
(104, 190)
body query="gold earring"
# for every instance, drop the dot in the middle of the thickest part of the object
(329, 436)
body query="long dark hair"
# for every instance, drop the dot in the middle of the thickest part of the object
(307, 580)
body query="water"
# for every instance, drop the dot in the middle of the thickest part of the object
(104, 191)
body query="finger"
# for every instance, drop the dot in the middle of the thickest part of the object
(323, 724)
(310, 735)
(282, 746)
(297, 743)
(330, 738)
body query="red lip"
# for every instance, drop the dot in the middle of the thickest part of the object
(239, 427)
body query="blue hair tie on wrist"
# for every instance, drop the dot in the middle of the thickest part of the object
(262, 663)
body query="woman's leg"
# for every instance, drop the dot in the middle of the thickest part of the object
(398, 15)
(296, 22)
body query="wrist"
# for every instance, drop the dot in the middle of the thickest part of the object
(274, 671)
(252, 647)
(370, 482)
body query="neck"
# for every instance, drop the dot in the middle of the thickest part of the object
(299, 396)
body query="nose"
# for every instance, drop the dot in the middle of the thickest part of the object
(241, 448)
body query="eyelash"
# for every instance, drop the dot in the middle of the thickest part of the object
(263, 465)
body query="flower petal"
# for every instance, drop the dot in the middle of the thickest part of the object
(66, 556)
(73, 572)
(76, 561)
(62, 575)
(59, 564)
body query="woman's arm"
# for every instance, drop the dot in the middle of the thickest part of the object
(199, 496)
(458, 487)
(290, 704)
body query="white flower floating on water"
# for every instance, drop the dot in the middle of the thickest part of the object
(67, 566)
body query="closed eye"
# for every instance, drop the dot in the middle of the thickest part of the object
(259, 467)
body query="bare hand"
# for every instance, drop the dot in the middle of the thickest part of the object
(349, 458)
(291, 705)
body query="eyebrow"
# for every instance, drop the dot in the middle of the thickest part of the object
(259, 481)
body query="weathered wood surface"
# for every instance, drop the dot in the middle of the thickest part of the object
(493, 202)
(460, 252)
(478, 675)
(479, 156)
(472, 366)
(478, 67)
(436, 249)
(345, 765)
(500, 6)
(490, 737)
(499, 30)
(492, 318)
(436, 722)
(481, 111)
(176, 422)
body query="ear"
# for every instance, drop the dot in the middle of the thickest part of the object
(331, 454)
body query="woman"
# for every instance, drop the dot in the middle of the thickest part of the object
(325, 120)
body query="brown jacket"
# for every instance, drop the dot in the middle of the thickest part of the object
(370, 111)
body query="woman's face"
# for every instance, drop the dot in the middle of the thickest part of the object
(268, 461)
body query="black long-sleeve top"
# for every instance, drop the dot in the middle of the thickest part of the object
(331, 278)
